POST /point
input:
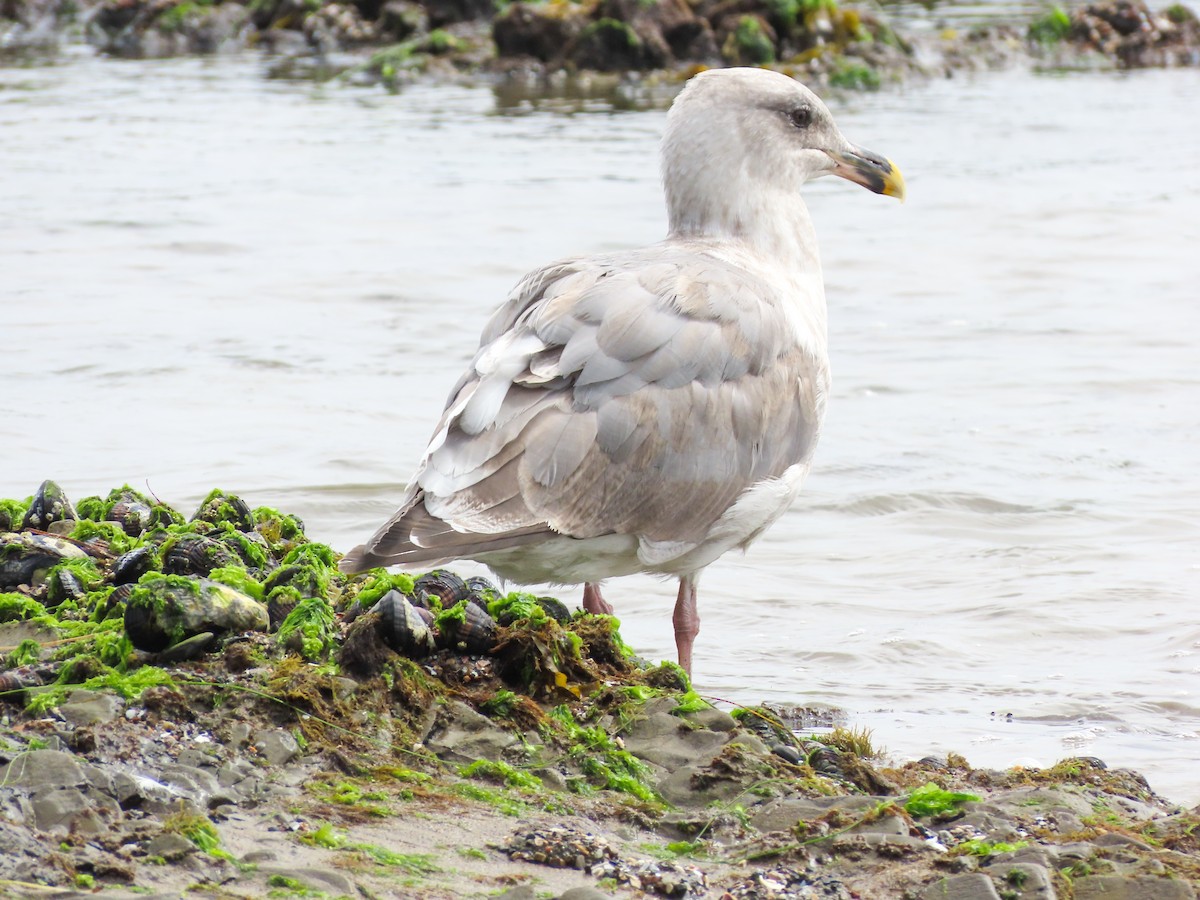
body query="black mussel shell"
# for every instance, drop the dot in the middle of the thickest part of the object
(129, 567)
(24, 558)
(403, 627)
(195, 554)
(130, 513)
(476, 633)
(49, 504)
(446, 586)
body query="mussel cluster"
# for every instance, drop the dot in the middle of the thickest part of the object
(227, 569)
(177, 585)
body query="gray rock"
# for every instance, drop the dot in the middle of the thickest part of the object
(325, 880)
(883, 825)
(1115, 839)
(584, 892)
(713, 719)
(1023, 881)
(461, 735)
(62, 810)
(961, 887)
(782, 815)
(667, 741)
(85, 708)
(277, 746)
(1118, 887)
(43, 769)
(198, 785)
(170, 846)
(520, 892)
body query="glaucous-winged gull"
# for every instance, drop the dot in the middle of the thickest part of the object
(648, 411)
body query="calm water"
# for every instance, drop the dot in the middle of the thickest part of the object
(208, 278)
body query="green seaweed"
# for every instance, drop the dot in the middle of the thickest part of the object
(690, 702)
(978, 847)
(855, 76)
(131, 686)
(313, 621)
(501, 772)
(931, 800)
(27, 652)
(518, 606)
(748, 43)
(110, 533)
(1051, 27)
(312, 554)
(500, 705)
(238, 579)
(379, 583)
(12, 512)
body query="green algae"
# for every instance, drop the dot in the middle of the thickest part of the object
(320, 556)
(749, 44)
(27, 652)
(112, 534)
(503, 773)
(600, 758)
(130, 685)
(12, 512)
(379, 582)
(312, 624)
(1051, 27)
(932, 800)
(238, 579)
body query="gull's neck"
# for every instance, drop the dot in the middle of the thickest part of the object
(764, 228)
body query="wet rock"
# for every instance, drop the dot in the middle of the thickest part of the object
(961, 887)
(166, 609)
(170, 846)
(43, 768)
(1131, 34)
(90, 708)
(447, 12)
(1117, 887)
(462, 735)
(666, 740)
(326, 881)
(1023, 881)
(537, 30)
(277, 746)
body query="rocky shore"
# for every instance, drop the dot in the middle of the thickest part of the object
(394, 41)
(206, 705)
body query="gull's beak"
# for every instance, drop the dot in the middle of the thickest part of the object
(871, 170)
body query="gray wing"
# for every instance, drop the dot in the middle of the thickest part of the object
(635, 395)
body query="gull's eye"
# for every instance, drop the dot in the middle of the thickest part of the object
(801, 116)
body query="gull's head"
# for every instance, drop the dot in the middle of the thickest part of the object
(739, 144)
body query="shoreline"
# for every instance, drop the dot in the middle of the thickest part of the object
(207, 705)
(372, 43)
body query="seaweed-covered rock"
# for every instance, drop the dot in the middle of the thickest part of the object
(167, 609)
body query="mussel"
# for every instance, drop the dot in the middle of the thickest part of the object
(49, 505)
(445, 586)
(219, 507)
(130, 512)
(404, 627)
(163, 610)
(26, 558)
(129, 567)
(473, 632)
(195, 554)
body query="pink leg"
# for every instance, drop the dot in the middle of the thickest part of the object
(593, 602)
(686, 621)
